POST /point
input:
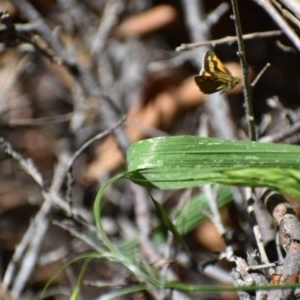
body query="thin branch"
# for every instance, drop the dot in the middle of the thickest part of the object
(259, 75)
(108, 21)
(71, 161)
(287, 14)
(216, 14)
(279, 136)
(40, 121)
(257, 218)
(277, 17)
(293, 6)
(21, 28)
(95, 138)
(26, 254)
(26, 164)
(229, 40)
(81, 231)
(246, 81)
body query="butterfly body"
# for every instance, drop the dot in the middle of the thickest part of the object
(214, 76)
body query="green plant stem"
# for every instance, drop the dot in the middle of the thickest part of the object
(246, 81)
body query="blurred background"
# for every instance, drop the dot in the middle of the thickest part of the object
(72, 69)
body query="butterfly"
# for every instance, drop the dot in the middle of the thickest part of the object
(214, 76)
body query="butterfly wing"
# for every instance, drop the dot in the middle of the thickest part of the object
(212, 64)
(208, 84)
(214, 76)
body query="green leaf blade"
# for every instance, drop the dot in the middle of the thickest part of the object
(187, 161)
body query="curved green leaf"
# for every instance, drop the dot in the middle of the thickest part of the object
(188, 161)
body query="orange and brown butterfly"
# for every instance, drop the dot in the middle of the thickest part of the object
(214, 76)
